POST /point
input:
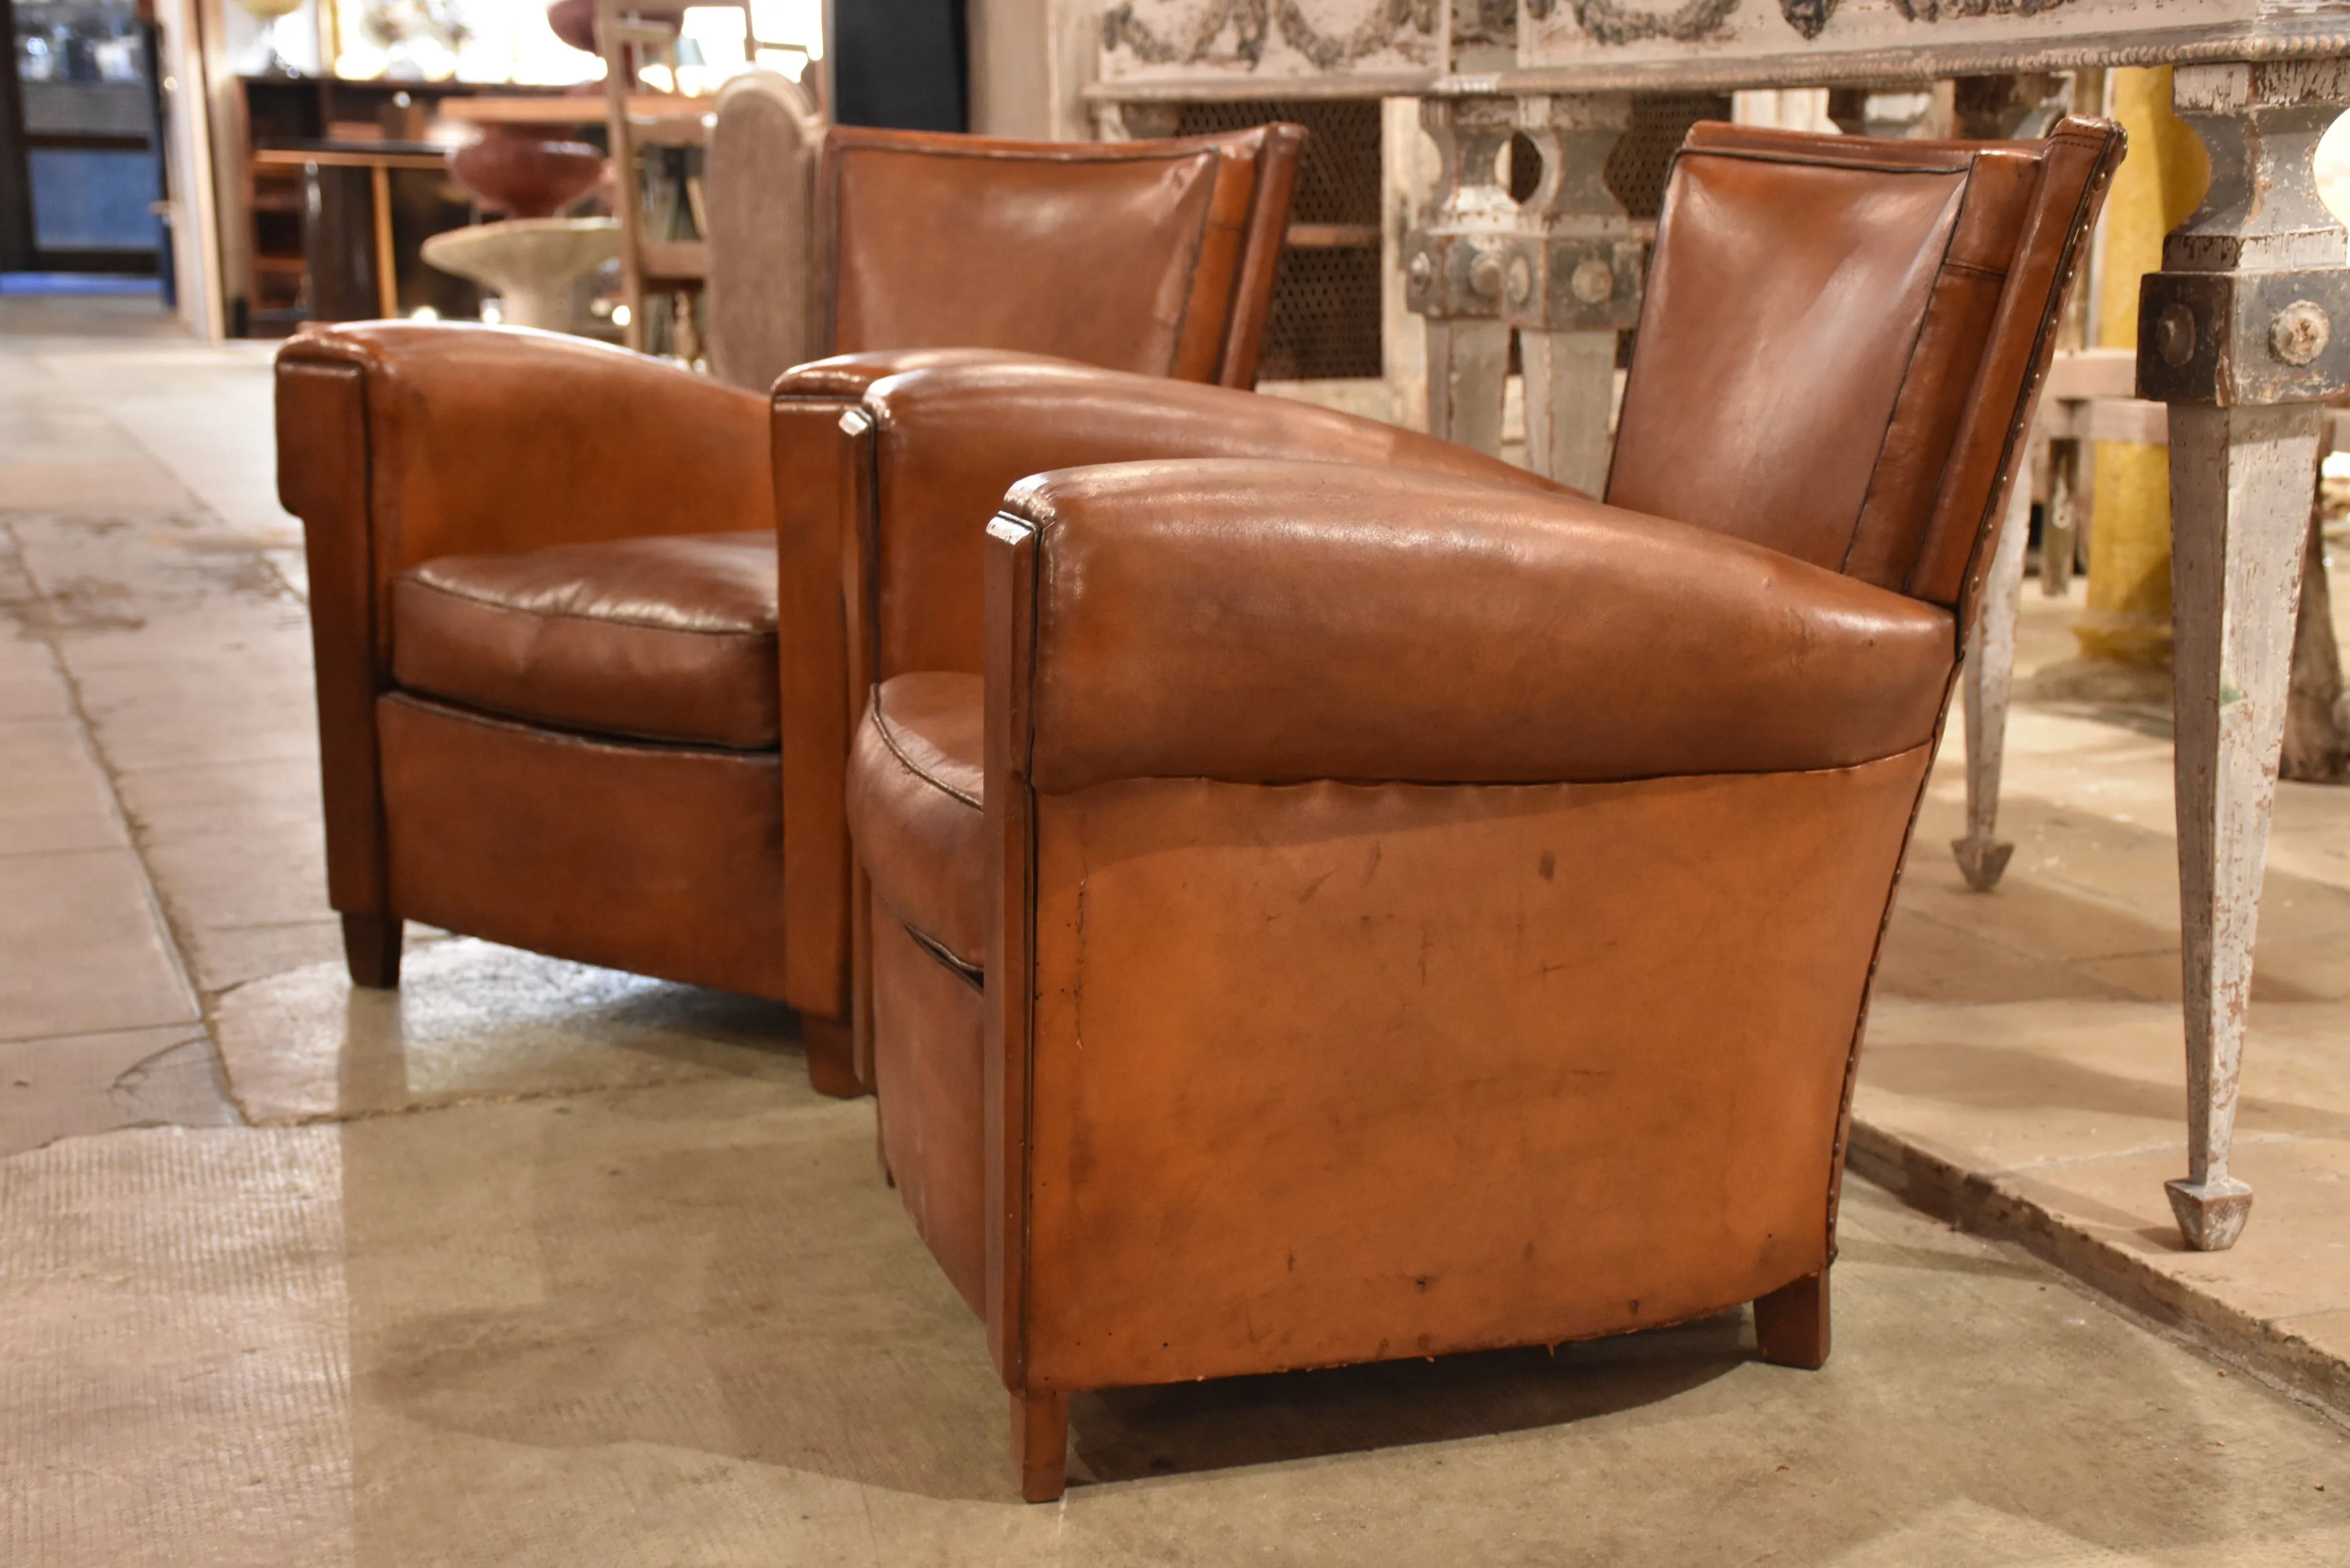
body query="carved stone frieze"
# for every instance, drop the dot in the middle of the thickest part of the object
(1629, 22)
(1945, 10)
(1321, 35)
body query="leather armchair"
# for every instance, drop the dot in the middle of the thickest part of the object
(1377, 907)
(546, 574)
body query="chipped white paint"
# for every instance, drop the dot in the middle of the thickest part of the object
(1989, 675)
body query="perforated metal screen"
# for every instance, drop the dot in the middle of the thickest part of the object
(1325, 296)
(1325, 317)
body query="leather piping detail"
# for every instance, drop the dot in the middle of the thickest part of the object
(1963, 166)
(2111, 148)
(881, 727)
(610, 740)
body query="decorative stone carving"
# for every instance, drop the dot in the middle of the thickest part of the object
(1284, 37)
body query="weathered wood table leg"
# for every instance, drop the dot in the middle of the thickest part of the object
(1571, 282)
(2060, 532)
(1453, 268)
(1989, 675)
(2243, 330)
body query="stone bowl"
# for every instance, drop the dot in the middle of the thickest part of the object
(517, 170)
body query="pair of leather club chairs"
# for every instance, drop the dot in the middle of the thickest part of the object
(1320, 895)
(543, 573)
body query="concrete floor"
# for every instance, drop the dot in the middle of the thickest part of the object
(542, 1265)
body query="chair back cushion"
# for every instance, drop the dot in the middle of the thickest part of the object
(1151, 256)
(1843, 337)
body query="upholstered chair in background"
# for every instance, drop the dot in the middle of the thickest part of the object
(543, 572)
(1324, 911)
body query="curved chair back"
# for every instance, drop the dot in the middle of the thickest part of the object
(1804, 290)
(1153, 256)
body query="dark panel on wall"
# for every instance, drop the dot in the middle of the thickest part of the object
(903, 64)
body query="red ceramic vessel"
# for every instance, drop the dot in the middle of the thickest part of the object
(516, 171)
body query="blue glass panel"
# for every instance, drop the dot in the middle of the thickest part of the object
(93, 200)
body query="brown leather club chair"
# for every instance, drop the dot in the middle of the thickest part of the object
(543, 572)
(1325, 911)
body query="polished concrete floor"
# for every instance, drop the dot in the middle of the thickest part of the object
(534, 1263)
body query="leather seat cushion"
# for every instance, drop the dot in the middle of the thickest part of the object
(916, 776)
(667, 638)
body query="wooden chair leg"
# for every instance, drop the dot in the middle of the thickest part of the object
(1040, 1444)
(1791, 1323)
(831, 1058)
(371, 950)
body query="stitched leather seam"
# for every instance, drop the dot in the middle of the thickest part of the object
(2109, 149)
(881, 725)
(1944, 170)
(428, 586)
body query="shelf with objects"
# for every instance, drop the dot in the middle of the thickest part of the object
(346, 191)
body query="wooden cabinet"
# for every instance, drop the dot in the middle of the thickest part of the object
(328, 193)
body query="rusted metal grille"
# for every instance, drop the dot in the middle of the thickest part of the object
(1325, 296)
(1326, 315)
(1326, 318)
(1338, 173)
(1640, 160)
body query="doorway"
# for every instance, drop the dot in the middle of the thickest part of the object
(81, 167)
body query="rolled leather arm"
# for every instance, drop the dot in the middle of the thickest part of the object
(480, 438)
(849, 375)
(1262, 621)
(951, 441)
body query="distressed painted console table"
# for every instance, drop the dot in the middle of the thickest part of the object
(2244, 332)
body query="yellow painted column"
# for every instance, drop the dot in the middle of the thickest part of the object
(2128, 613)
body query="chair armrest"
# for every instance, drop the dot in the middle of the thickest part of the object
(951, 441)
(849, 375)
(887, 466)
(1256, 621)
(481, 437)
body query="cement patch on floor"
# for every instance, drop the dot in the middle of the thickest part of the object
(688, 1323)
(474, 1021)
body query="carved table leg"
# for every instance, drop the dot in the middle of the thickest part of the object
(1453, 274)
(1989, 675)
(2060, 533)
(1570, 394)
(1468, 361)
(1571, 283)
(2238, 334)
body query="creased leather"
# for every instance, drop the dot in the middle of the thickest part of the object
(664, 638)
